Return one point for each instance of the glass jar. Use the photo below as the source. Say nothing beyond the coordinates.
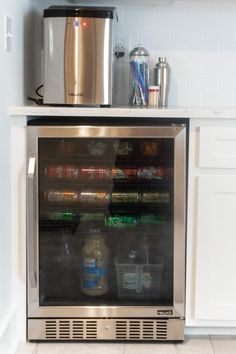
(139, 66)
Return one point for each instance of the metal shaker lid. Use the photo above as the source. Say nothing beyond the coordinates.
(162, 63)
(162, 59)
(139, 51)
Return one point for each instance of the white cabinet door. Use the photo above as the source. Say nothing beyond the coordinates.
(217, 147)
(215, 292)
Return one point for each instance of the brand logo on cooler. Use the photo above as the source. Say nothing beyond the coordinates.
(75, 94)
(165, 312)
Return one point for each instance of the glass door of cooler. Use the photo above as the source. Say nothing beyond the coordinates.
(109, 217)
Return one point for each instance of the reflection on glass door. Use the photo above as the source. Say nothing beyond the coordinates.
(106, 215)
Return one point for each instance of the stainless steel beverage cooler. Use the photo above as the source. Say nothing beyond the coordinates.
(106, 224)
(78, 55)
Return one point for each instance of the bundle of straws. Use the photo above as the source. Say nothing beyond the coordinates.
(140, 73)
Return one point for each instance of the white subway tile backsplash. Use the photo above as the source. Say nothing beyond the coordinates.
(227, 82)
(146, 40)
(198, 82)
(227, 13)
(199, 40)
(202, 13)
(216, 97)
(198, 37)
(141, 16)
(218, 65)
(227, 49)
(234, 98)
(185, 34)
(220, 34)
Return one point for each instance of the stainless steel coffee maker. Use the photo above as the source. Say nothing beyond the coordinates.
(78, 55)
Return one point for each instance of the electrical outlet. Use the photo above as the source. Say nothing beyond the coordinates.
(121, 49)
(7, 33)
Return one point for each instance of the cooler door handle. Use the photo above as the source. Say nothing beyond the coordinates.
(31, 222)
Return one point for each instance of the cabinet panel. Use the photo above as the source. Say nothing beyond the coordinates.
(217, 147)
(215, 295)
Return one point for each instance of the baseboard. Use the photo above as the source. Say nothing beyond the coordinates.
(201, 331)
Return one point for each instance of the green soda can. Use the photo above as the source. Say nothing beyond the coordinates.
(121, 221)
(122, 197)
(155, 198)
(61, 216)
(152, 219)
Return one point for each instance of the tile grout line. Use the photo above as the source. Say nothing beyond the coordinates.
(212, 346)
(123, 348)
(35, 351)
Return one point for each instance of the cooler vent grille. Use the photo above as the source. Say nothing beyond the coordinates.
(51, 330)
(141, 329)
(70, 329)
(161, 329)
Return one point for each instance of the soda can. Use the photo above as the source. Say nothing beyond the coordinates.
(62, 172)
(152, 219)
(99, 198)
(119, 197)
(88, 217)
(124, 173)
(95, 172)
(155, 198)
(66, 147)
(121, 221)
(96, 147)
(149, 148)
(61, 196)
(61, 216)
(123, 148)
(153, 173)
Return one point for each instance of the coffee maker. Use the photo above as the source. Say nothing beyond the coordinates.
(78, 55)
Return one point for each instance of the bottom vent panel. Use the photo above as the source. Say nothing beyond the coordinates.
(106, 329)
(141, 330)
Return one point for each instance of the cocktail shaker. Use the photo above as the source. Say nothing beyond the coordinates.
(161, 79)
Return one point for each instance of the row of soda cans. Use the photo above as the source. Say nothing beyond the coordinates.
(115, 220)
(72, 172)
(105, 198)
(97, 147)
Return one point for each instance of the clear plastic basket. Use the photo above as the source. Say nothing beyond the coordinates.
(139, 280)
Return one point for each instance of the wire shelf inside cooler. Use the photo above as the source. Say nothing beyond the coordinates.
(139, 280)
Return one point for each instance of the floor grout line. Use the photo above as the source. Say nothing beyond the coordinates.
(35, 351)
(212, 346)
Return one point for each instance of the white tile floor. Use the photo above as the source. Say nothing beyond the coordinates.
(192, 345)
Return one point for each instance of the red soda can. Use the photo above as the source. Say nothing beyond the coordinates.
(153, 172)
(124, 173)
(95, 172)
(62, 172)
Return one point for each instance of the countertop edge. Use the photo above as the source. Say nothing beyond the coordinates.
(181, 112)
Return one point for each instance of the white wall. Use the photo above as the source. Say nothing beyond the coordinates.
(198, 37)
(11, 93)
(199, 40)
